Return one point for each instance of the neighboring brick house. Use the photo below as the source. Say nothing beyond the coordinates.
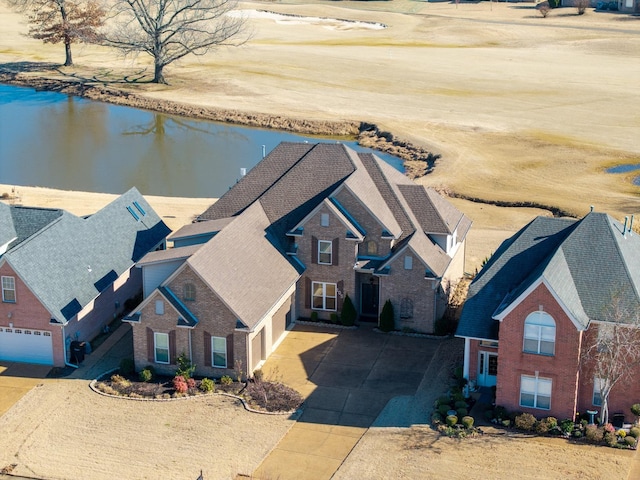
(64, 277)
(543, 297)
(308, 225)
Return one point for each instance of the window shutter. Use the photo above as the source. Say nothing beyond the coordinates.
(172, 347)
(150, 346)
(334, 251)
(207, 349)
(307, 292)
(314, 250)
(340, 296)
(230, 350)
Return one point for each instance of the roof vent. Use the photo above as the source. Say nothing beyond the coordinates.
(624, 229)
(631, 226)
(592, 208)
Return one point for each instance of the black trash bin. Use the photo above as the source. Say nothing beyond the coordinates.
(618, 420)
(77, 352)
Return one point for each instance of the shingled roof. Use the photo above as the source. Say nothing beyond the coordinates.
(71, 260)
(589, 264)
(18, 223)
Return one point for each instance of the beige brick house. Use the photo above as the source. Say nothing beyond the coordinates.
(310, 224)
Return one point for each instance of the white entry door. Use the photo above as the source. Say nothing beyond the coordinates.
(487, 369)
(26, 345)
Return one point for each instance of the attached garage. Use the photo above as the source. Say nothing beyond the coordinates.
(26, 345)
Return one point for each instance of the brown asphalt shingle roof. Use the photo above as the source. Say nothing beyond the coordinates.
(200, 228)
(168, 254)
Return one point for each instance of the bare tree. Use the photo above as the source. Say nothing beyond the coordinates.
(66, 21)
(614, 355)
(582, 5)
(168, 30)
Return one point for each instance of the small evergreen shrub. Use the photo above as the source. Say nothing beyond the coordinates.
(226, 380)
(634, 432)
(443, 401)
(630, 441)
(500, 412)
(127, 366)
(546, 425)
(461, 404)
(387, 317)
(452, 420)
(145, 375)
(314, 316)
(436, 418)
(594, 434)
(443, 409)
(610, 439)
(462, 412)
(567, 425)
(467, 421)
(258, 375)
(635, 409)
(577, 433)
(207, 385)
(525, 421)
(349, 313)
(185, 367)
(333, 318)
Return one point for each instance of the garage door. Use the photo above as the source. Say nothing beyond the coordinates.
(25, 345)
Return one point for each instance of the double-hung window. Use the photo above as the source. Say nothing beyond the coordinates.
(324, 296)
(219, 352)
(9, 289)
(535, 392)
(325, 250)
(539, 334)
(161, 347)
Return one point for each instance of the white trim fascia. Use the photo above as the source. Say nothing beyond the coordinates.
(366, 207)
(540, 281)
(5, 247)
(477, 338)
(274, 308)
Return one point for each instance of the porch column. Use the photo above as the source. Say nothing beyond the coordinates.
(467, 349)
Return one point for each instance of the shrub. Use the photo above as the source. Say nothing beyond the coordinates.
(349, 314)
(546, 425)
(387, 317)
(594, 434)
(634, 432)
(581, 6)
(436, 418)
(621, 433)
(567, 425)
(443, 409)
(462, 412)
(500, 412)
(467, 421)
(577, 434)
(145, 375)
(461, 404)
(185, 367)
(525, 421)
(273, 396)
(120, 381)
(635, 409)
(544, 8)
(630, 441)
(226, 380)
(444, 400)
(333, 318)
(191, 383)
(506, 422)
(608, 428)
(314, 316)
(127, 366)
(258, 375)
(610, 439)
(207, 385)
(180, 384)
(452, 420)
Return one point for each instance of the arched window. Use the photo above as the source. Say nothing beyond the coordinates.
(539, 334)
(372, 247)
(189, 292)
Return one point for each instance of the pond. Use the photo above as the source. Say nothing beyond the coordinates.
(59, 141)
(627, 168)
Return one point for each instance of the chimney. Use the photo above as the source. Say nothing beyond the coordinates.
(631, 226)
(624, 229)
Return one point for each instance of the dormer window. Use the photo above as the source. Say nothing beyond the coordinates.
(324, 219)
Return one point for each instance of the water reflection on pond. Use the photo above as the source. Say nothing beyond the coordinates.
(626, 168)
(59, 141)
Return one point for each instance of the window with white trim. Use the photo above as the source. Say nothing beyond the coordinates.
(9, 289)
(219, 352)
(323, 296)
(325, 250)
(535, 392)
(189, 292)
(408, 262)
(161, 347)
(159, 307)
(539, 334)
(598, 385)
(324, 219)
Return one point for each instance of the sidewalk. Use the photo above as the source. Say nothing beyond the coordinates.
(108, 355)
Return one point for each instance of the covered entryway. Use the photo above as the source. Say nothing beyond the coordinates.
(26, 345)
(487, 369)
(369, 297)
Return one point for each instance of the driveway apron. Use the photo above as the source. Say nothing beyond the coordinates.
(16, 379)
(347, 377)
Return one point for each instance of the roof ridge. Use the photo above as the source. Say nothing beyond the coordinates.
(609, 220)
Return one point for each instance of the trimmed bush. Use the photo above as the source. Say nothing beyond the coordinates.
(467, 421)
(258, 375)
(452, 420)
(185, 367)
(226, 380)
(349, 314)
(610, 439)
(525, 421)
(462, 412)
(436, 418)
(120, 381)
(443, 409)
(630, 441)
(567, 425)
(461, 404)
(546, 424)
(500, 412)
(333, 318)
(635, 409)
(621, 433)
(387, 317)
(127, 366)
(180, 384)
(594, 434)
(207, 385)
(634, 432)
(314, 316)
(145, 375)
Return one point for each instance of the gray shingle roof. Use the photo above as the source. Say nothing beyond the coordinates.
(7, 230)
(160, 256)
(588, 263)
(68, 262)
(22, 222)
(203, 228)
(186, 318)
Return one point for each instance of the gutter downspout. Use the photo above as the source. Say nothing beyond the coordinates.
(64, 350)
(190, 347)
(467, 355)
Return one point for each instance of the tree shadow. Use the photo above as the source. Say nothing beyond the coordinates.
(26, 67)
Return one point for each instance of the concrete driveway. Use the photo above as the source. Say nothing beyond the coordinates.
(347, 378)
(16, 379)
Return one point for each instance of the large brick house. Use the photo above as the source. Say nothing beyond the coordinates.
(308, 225)
(544, 297)
(65, 277)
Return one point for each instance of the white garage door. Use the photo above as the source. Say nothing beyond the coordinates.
(25, 345)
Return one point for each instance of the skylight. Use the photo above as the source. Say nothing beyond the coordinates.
(133, 214)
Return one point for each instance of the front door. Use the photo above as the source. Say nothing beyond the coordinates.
(369, 300)
(487, 369)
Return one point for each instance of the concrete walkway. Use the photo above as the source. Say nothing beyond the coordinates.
(347, 378)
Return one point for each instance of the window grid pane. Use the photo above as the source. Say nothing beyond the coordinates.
(324, 296)
(8, 289)
(161, 347)
(324, 252)
(219, 352)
